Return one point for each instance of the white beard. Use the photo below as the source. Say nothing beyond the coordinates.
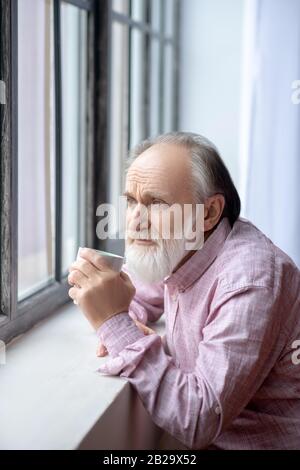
(153, 263)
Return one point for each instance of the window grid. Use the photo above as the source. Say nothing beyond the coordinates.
(16, 317)
(164, 40)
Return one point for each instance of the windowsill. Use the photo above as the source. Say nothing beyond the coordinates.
(53, 398)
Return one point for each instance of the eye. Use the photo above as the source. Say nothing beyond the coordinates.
(159, 204)
(130, 201)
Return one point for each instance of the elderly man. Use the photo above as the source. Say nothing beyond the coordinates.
(227, 374)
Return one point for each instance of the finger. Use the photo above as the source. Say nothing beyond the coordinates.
(101, 350)
(127, 280)
(73, 293)
(125, 276)
(76, 277)
(145, 329)
(83, 266)
(95, 258)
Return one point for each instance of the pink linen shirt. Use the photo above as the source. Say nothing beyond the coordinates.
(227, 374)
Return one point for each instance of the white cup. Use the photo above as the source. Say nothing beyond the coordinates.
(115, 262)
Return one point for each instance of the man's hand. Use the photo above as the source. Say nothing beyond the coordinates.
(99, 291)
(101, 349)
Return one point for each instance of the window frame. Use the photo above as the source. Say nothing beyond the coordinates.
(17, 317)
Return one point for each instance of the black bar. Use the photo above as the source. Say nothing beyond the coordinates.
(142, 458)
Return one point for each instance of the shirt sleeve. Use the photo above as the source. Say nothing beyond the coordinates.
(148, 302)
(235, 355)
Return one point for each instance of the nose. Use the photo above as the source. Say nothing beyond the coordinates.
(139, 219)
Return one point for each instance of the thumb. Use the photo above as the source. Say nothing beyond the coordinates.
(101, 350)
(128, 282)
(125, 276)
(144, 329)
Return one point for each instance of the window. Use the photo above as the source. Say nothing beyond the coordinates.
(81, 82)
(74, 87)
(143, 81)
(36, 145)
(45, 154)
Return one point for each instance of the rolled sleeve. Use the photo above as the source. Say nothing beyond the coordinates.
(118, 332)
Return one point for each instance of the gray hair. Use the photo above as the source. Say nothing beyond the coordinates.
(210, 175)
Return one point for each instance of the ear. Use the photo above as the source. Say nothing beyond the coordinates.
(213, 209)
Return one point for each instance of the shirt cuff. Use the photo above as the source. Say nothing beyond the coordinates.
(118, 332)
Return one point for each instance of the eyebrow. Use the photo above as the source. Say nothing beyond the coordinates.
(148, 195)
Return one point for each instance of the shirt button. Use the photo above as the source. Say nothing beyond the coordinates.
(217, 410)
(174, 297)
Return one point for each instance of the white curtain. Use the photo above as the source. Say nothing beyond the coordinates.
(272, 188)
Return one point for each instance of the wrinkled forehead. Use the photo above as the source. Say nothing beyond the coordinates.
(163, 168)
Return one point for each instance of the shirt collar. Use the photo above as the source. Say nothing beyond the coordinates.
(197, 264)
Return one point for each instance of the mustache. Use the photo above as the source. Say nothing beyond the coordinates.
(145, 235)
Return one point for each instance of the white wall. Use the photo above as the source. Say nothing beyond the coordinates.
(211, 66)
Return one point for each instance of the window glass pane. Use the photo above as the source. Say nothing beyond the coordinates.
(156, 7)
(139, 10)
(169, 17)
(74, 67)
(121, 6)
(155, 98)
(137, 88)
(119, 110)
(36, 145)
(169, 89)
